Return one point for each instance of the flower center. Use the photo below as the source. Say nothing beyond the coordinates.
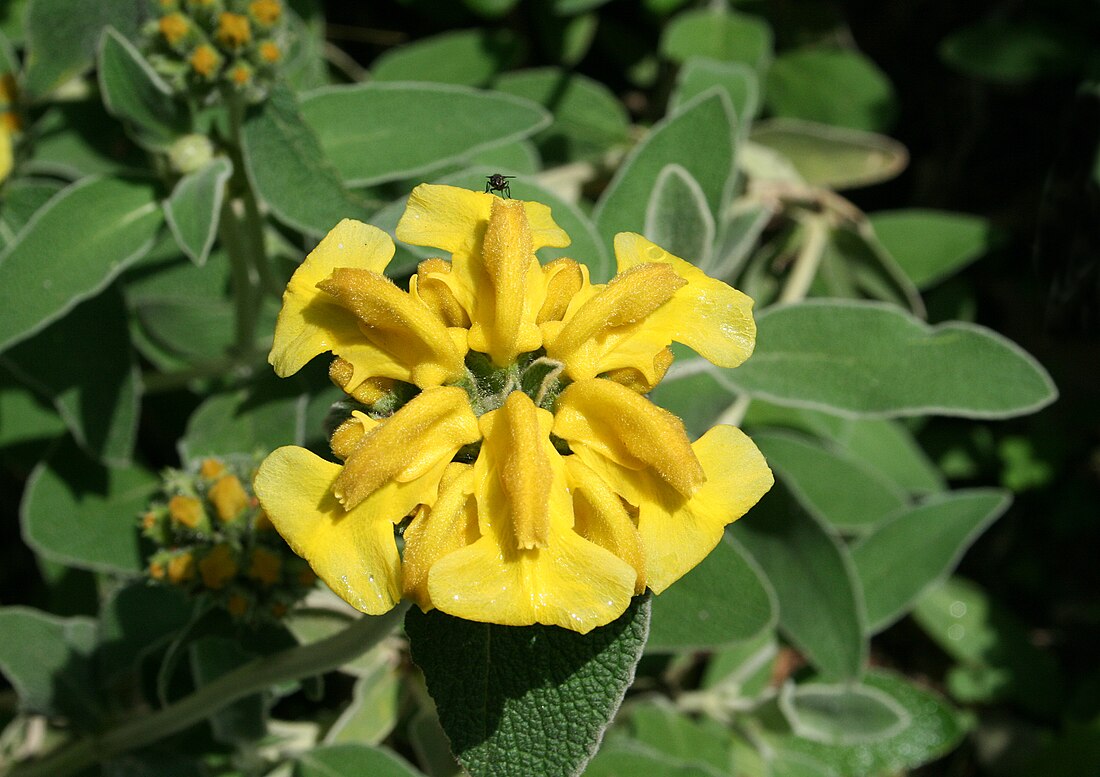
(535, 374)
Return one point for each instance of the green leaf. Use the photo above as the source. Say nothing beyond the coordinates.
(904, 557)
(820, 604)
(700, 138)
(933, 730)
(136, 620)
(588, 120)
(490, 9)
(725, 599)
(855, 265)
(744, 670)
(738, 80)
(96, 387)
(71, 250)
(930, 245)
(194, 208)
(845, 494)
(696, 392)
(24, 416)
(462, 57)
(677, 217)
(407, 136)
(181, 312)
(46, 659)
(739, 235)
(133, 92)
(12, 14)
(868, 359)
(840, 87)
(372, 713)
(526, 700)
(82, 514)
(721, 35)
(997, 657)
(289, 170)
(704, 743)
(628, 758)
(22, 198)
(842, 714)
(833, 157)
(1015, 52)
(519, 156)
(351, 761)
(260, 418)
(61, 42)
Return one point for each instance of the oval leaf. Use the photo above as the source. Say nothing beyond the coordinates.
(700, 139)
(510, 698)
(867, 359)
(700, 74)
(133, 92)
(906, 556)
(677, 217)
(721, 35)
(194, 207)
(820, 606)
(84, 515)
(839, 87)
(407, 135)
(289, 170)
(725, 599)
(833, 157)
(351, 760)
(930, 245)
(464, 57)
(842, 714)
(840, 490)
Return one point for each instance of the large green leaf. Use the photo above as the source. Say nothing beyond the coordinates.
(133, 92)
(867, 359)
(840, 87)
(85, 515)
(24, 416)
(61, 39)
(71, 250)
(95, 385)
(820, 604)
(588, 118)
(351, 760)
(74, 139)
(526, 699)
(412, 128)
(289, 169)
(465, 57)
(930, 245)
(933, 729)
(833, 157)
(46, 659)
(906, 556)
(842, 714)
(843, 492)
(194, 208)
(700, 139)
(739, 81)
(20, 200)
(721, 35)
(677, 217)
(723, 600)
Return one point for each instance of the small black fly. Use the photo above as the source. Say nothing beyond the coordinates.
(498, 183)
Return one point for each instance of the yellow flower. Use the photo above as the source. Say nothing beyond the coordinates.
(233, 30)
(266, 12)
(270, 52)
(186, 511)
(534, 480)
(218, 567)
(204, 60)
(173, 27)
(6, 156)
(228, 497)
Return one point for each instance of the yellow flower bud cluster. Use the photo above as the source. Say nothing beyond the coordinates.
(203, 45)
(213, 540)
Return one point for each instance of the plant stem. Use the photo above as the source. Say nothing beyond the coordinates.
(807, 261)
(255, 676)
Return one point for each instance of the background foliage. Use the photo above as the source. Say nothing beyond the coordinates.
(910, 193)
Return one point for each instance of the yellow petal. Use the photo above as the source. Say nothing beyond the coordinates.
(515, 467)
(5, 152)
(396, 324)
(678, 533)
(600, 517)
(564, 279)
(430, 286)
(614, 315)
(448, 525)
(424, 434)
(310, 323)
(354, 551)
(454, 219)
(624, 426)
(710, 317)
